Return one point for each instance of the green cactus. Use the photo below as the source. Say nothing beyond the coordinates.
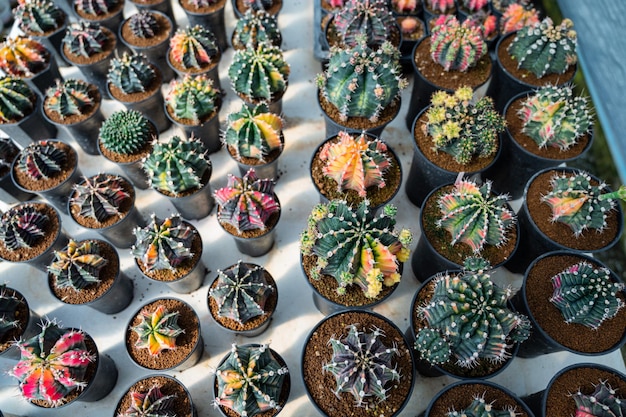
(151, 403)
(23, 226)
(545, 48)
(126, 132)
(553, 117)
(356, 246)
(100, 197)
(462, 128)
(23, 57)
(131, 73)
(481, 408)
(143, 24)
(194, 47)
(42, 160)
(83, 38)
(456, 46)
(193, 98)
(260, 73)
(474, 216)
(254, 132)
(38, 16)
(361, 81)
(17, 100)
(95, 7)
(78, 265)
(241, 292)
(369, 18)
(256, 27)
(603, 402)
(157, 330)
(70, 97)
(9, 305)
(177, 166)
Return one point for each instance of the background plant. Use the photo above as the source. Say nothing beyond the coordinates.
(254, 27)
(126, 132)
(143, 24)
(371, 18)
(157, 330)
(481, 408)
(78, 265)
(100, 197)
(70, 97)
(254, 132)
(17, 100)
(132, 73)
(95, 7)
(38, 16)
(193, 98)
(516, 17)
(440, 6)
(23, 57)
(86, 39)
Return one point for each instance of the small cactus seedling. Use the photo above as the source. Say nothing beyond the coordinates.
(355, 246)
(23, 57)
(474, 216)
(405, 6)
(254, 132)
(143, 24)
(440, 6)
(604, 402)
(369, 18)
(85, 39)
(461, 128)
(241, 292)
(193, 98)
(361, 81)
(126, 132)
(470, 314)
(100, 197)
(17, 100)
(151, 403)
(157, 330)
(362, 366)
(248, 202)
(260, 73)
(517, 17)
(69, 97)
(78, 265)
(586, 295)
(52, 364)
(95, 7)
(131, 73)
(481, 408)
(42, 160)
(163, 244)
(256, 27)
(194, 47)
(9, 304)
(23, 227)
(456, 46)
(474, 6)
(355, 162)
(554, 117)
(249, 381)
(177, 166)
(545, 48)
(38, 16)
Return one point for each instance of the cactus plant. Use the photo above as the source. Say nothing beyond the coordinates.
(38, 16)
(586, 294)
(151, 403)
(126, 132)
(355, 246)
(131, 73)
(362, 366)
(193, 98)
(603, 402)
(85, 39)
(370, 18)
(456, 46)
(78, 265)
(23, 57)
(361, 81)
(256, 27)
(554, 117)
(10, 302)
(163, 244)
(258, 4)
(462, 128)
(241, 292)
(254, 132)
(469, 313)
(474, 6)
(474, 216)
(52, 364)
(355, 162)
(248, 202)
(194, 47)
(517, 17)
(545, 48)
(177, 166)
(96, 7)
(405, 6)
(70, 97)
(42, 160)
(157, 330)
(100, 197)
(17, 100)
(480, 408)
(24, 227)
(143, 24)
(440, 6)
(249, 380)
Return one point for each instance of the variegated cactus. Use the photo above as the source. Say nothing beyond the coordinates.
(17, 100)
(69, 97)
(405, 6)
(23, 57)
(100, 197)
(440, 6)
(363, 366)
(83, 38)
(254, 132)
(248, 202)
(474, 6)
(193, 98)
(10, 303)
(517, 17)
(126, 132)
(256, 27)
(95, 7)
(52, 364)
(143, 24)
(152, 403)
(545, 48)
(241, 292)
(473, 215)
(194, 47)
(603, 402)
(481, 408)
(78, 265)
(369, 18)
(355, 246)
(157, 330)
(355, 162)
(42, 160)
(163, 244)
(38, 16)
(486, 22)
(131, 73)
(23, 226)
(456, 46)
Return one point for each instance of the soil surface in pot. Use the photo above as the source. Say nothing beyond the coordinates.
(181, 405)
(151, 89)
(21, 315)
(359, 123)
(107, 49)
(125, 207)
(185, 342)
(575, 336)
(164, 28)
(186, 5)
(44, 184)
(215, 60)
(129, 158)
(92, 91)
(461, 396)
(321, 385)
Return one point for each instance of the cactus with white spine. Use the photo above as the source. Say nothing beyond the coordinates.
(456, 46)
(9, 305)
(78, 265)
(152, 403)
(83, 38)
(481, 408)
(369, 18)
(95, 7)
(42, 160)
(126, 132)
(38, 16)
(69, 97)
(193, 98)
(100, 197)
(23, 226)
(157, 330)
(131, 73)
(254, 132)
(603, 402)
(256, 27)
(23, 57)
(143, 24)
(194, 47)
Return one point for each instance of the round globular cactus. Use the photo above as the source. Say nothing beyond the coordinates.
(100, 197)
(405, 6)
(603, 402)
(474, 6)
(23, 227)
(194, 47)
(143, 24)
(95, 7)
(456, 46)
(440, 6)
(151, 403)
(131, 73)
(38, 16)
(481, 408)
(70, 97)
(193, 98)
(23, 57)
(517, 17)
(369, 18)
(78, 265)
(254, 132)
(10, 304)
(17, 100)
(42, 160)
(256, 27)
(157, 330)
(85, 39)
(126, 132)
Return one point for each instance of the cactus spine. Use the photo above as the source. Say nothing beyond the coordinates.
(256, 27)
(70, 97)
(603, 402)
(9, 304)
(23, 57)
(23, 226)
(126, 132)
(369, 18)
(38, 16)
(131, 73)
(456, 46)
(85, 39)
(42, 160)
(194, 47)
(100, 197)
(193, 98)
(150, 404)
(254, 132)
(157, 330)
(78, 265)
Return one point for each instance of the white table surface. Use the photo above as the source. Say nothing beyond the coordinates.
(295, 315)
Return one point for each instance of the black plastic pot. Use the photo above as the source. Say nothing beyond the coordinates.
(30, 128)
(84, 132)
(194, 206)
(29, 330)
(211, 73)
(213, 21)
(208, 132)
(268, 170)
(10, 194)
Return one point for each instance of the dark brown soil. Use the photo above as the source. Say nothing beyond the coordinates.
(276, 6)
(269, 158)
(130, 158)
(182, 405)
(107, 51)
(220, 4)
(249, 234)
(22, 315)
(164, 30)
(360, 123)
(93, 92)
(45, 184)
(152, 89)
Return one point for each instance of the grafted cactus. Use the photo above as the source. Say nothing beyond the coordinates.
(470, 314)
(143, 24)
(586, 294)
(78, 265)
(405, 6)
(241, 292)
(193, 98)
(194, 47)
(157, 330)
(177, 166)
(23, 57)
(17, 100)
(456, 46)
(362, 365)
(369, 18)
(440, 6)
(261, 74)
(474, 216)
(247, 203)
(126, 132)
(355, 162)
(256, 27)
(52, 364)
(604, 402)
(361, 81)
(481, 408)
(131, 73)
(38, 16)
(554, 117)
(9, 305)
(461, 128)
(69, 97)
(545, 48)
(100, 197)
(254, 132)
(474, 6)
(517, 17)
(42, 160)
(83, 38)
(249, 381)
(95, 7)
(163, 244)
(23, 226)
(151, 403)
(355, 246)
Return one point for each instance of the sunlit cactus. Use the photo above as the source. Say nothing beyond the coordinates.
(83, 38)
(440, 6)
(255, 27)
(604, 402)
(517, 17)
(456, 46)
(152, 403)
(131, 73)
(38, 16)
(194, 47)
(157, 330)
(126, 132)
(78, 265)
(481, 408)
(9, 305)
(23, 57)
(369, 18)
(17, 100)
(23, 226)
(69, 97)
(95, 7)
(100, 197)
(254, 132)
(193, 98)
(143, 24)
(42, 160)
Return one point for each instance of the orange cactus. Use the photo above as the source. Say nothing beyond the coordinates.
(23, 57)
